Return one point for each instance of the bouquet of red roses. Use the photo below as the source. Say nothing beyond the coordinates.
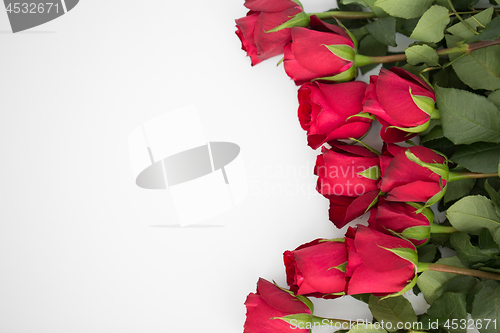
(438, 109)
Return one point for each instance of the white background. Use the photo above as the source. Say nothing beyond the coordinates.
(80, 246)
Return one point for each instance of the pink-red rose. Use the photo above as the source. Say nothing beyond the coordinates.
(253, 29)
(323, 52)
(271, 302)
(415, 174)
(324, 110)
(402, 218)
(378, 263)
(317, 268)
(402, 102)
(348, 175)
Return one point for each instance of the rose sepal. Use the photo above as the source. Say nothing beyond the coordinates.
(345, 76)
(299, 20)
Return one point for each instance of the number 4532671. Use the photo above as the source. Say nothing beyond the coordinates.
(32, 8)
(470, 324)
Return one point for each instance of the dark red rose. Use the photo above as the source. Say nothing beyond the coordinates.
(324, 110)
(402, 218)
(325, 51)
(402, 102)
(272, 302)
(415, 174)
(317, 268)
(376, 263)
(254, 29)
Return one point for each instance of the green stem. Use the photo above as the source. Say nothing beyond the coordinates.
(422, 266)
(453, 176)
(344, 15)
(461, 19)
(442, 229)
(362, 60)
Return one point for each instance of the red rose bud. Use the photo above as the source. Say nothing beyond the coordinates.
(326, 111)
(417, 174)
(379, 264)
(402, 219)
(324, 52)
(401, 102)
(317, 268)
(348, 175)
(265, 31)
(273, 309)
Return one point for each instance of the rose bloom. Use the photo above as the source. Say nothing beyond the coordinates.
(398, 98)
(271, 302)
(262, 17)
(402, 218)
(374, 265)
(406, 181)
(317, 268)
(324, 110)
(309, 57)
(348, 175)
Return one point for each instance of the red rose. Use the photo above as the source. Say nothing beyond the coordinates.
(379, 264)
(416, 174)
(324, 109)
(348, 176)
(402, 103)
(325, 51)
(253, 29)
(317, 268)
(402, 218)
(272, 302)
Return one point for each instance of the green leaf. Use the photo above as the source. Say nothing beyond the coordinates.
(461, 30)
(430, 27)
(369, 46)
(486, 242)
(450, 306)
(473, 213)
(342, 51)
(422, 53)
(468, 253)
(404, 8)
(494, 98)
(435, 133)
(458, 188)
(491, 32)
(392, 310)
(494, 196)
(466, 117)
(427, 253)
(486, 307)
(480, 69)
(480, 157)
(378, 11)
(372, 173)
(432, 283)
(383, 30)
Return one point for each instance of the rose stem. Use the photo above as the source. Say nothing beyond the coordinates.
(422, 266)
(468, 175)
(442, 229)
(362, 60)
(344, 15)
